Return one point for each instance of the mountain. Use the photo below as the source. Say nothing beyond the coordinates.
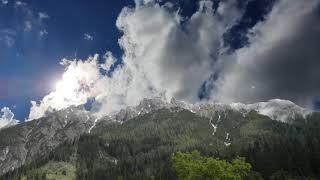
(277, 109)
(22, 143)
(137, 142)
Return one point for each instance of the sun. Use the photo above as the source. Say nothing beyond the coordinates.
(80, 81)
(66, 88)
(74, 87)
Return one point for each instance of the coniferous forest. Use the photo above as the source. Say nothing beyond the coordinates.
(172, 144)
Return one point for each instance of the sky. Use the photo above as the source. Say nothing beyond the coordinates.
(30, 60)
(55, 54)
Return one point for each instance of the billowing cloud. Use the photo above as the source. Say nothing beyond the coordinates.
(76, 86)
(7, 118)
(173, 55)
(277, 109)
(167, 55)
(282, 59)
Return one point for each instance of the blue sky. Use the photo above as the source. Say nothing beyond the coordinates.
(31, 63)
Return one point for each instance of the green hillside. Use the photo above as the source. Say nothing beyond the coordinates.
(142, 147)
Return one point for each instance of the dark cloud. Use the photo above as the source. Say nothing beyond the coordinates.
(282, 60)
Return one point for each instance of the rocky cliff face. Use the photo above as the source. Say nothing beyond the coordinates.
(144, 107)
(22, 143)
(276, 109)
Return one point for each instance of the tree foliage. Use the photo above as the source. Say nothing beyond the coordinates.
(192, 166)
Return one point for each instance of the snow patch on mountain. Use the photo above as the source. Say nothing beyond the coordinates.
(94, 124)
(214, 127)
(276, 109)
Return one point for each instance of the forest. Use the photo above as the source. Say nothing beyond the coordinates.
(170, 144)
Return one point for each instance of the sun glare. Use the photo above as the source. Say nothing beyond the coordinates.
(66, 88)
(75, 85)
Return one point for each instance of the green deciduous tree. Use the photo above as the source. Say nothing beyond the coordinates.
(189, 166)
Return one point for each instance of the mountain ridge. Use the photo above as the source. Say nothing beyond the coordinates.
(35, 138)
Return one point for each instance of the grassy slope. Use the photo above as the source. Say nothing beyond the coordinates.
(54, 171)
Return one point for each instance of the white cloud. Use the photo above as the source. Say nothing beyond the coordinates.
(43, 15)
(281, 61)
(87, 36)
(174, 59)
(167, 55)
(5, 2)
(7, 118)
(20, 3)
(29, 20)
(163, 57)
(277, 109)
(77, 84)
(43, 33)
(109, 61)
(27, 26)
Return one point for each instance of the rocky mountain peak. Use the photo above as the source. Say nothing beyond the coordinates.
(276, 109)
